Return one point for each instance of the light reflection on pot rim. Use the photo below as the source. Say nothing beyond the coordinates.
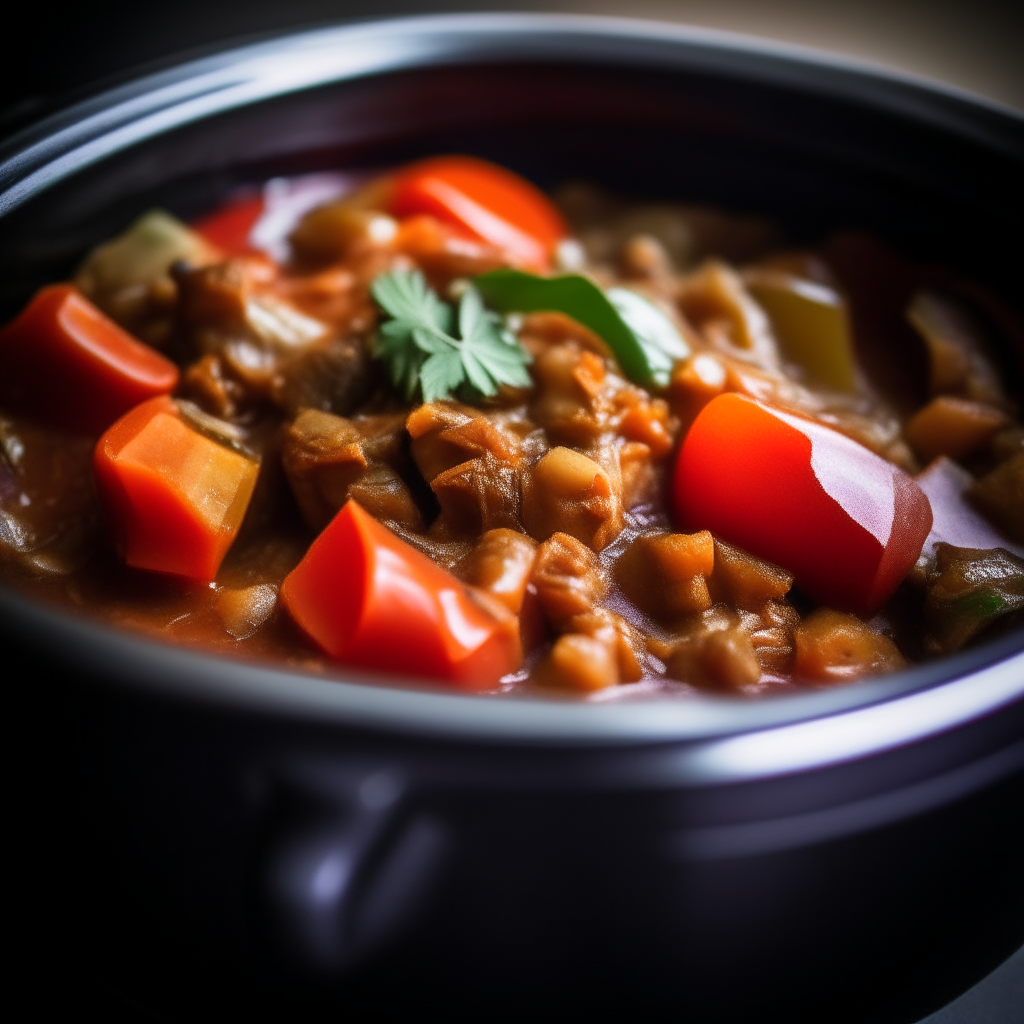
(723, 739)
(86, 133)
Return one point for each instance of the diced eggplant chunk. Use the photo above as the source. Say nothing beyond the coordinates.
(960, 364)
(1000, 495)
(969, 589)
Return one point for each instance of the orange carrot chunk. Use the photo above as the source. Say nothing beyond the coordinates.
(370, 600)
(68, 364)
(486, 202)
(175, 499)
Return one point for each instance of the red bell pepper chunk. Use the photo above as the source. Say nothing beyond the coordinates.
(68, 364)
(487, 202)
(174, 497)
(370, 600)
(846, 523)
(230, 226)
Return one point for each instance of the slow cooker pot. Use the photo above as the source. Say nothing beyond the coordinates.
(213, 836)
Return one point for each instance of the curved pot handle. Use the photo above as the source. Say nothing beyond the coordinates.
(347, 874)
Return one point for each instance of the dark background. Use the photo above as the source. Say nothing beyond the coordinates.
(56, 55)
(58, 51)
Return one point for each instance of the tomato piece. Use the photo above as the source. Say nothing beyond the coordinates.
(69, 364)
(846, 523)
(174, 497)
(230, 226)
(370, 600)
(488, 203)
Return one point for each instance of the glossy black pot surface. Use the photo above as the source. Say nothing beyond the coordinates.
(215, 837)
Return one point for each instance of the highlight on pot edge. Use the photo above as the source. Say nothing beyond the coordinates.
(435, 423)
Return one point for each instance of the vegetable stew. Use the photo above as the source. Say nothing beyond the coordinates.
(442, 426)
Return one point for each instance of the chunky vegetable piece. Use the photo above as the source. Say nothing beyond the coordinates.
(953, 426)
(966, 591)
(811, 323)
(140, 257)
(484, 201)
(367, 598)
(70, 365)
(956, 348)
(175, 499)
(847, 524)
(1000, 495)
(954, 520)
(230, 227)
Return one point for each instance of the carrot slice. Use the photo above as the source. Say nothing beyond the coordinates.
(370, 600)
(68, 364)
(487, 202)
(175, 498)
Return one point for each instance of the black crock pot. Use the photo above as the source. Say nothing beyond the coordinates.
(212, 836)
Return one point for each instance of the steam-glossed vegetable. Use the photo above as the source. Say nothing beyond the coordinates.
(67, 363)
(369, 599)
(846, 523)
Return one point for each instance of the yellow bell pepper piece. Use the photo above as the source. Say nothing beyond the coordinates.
(811, 324)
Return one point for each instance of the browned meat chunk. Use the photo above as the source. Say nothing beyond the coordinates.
(745, 581)
(473, 466)
(715, 653)
(329, 460)
(624, 641)
(334, 375)
(771, 634)
(666, 574)
(955, 427)
(567, 578)
(446, 434)
(500, 563)
(230, 310)
(577, 662)
(833, 647)
(211, 387)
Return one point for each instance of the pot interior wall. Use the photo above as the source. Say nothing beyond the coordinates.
(814, 162)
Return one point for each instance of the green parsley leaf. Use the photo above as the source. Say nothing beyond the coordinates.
(643, 340)
(420, 351)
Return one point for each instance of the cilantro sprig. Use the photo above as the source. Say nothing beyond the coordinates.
(422, 352)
